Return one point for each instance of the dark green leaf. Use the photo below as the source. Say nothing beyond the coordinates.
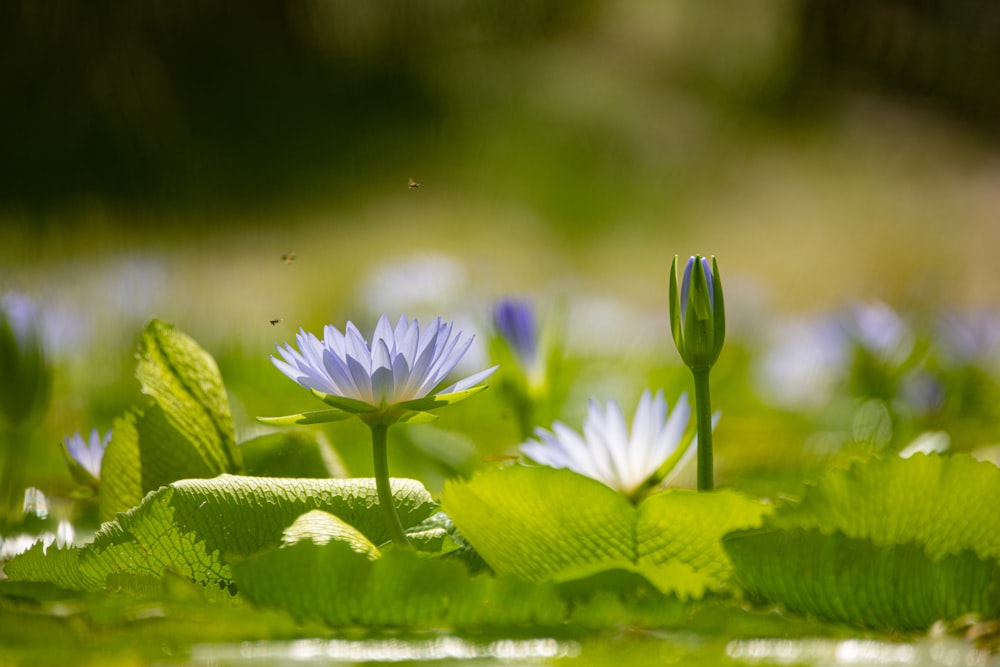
(332, 583)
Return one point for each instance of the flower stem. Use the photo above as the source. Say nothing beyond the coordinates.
(12, 477)
(524, 420)
(381, 454)
(703, 408)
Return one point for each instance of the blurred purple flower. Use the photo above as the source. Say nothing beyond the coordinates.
(969, 339)
(515, 322)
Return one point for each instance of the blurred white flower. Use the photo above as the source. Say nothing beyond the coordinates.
(803, 362)
(426, 281)
(881, 331)
(928, 442)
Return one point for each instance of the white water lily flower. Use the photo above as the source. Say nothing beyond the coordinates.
(608, 452)
(396, 378)
(87, 454)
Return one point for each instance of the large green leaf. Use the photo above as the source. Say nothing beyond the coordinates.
(121, 468)
(855, 581)
(945, 504)
(183, 379)
(196, 527)
(182, 430)
(544, 524)
(889, 543)
(333, 583)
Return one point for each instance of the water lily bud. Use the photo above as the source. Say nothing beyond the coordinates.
(522, 348)
(697, 312)
(24, 370)
(515, 323)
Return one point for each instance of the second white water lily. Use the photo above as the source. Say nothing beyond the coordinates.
(629, 461)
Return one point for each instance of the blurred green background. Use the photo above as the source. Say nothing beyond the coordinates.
(224, 165)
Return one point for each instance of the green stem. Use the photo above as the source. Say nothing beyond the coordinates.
(524, 419)
(12, 478)
(380, 452)
(703, 410)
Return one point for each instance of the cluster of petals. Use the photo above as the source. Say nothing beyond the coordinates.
(402, 363)
(608, 451)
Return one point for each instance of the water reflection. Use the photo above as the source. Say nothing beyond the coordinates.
(324, 651)
(823, 652)
(12, 545)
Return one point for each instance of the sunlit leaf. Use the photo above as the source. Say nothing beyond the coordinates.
(544, 524)
(313, 417)
(321, 527)
(349, 405)
(889, 543)
(194, 527)
(945, 504)
(850, 580)
(440, 400)
(121, 486)
(413, 417)
(182, 430)
(184, 380)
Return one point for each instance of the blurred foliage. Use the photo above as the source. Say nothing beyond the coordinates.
(220, 101)
(945, 53)
(250, 105)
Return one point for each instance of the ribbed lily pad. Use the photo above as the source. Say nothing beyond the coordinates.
(890, 543)
(195, 528)
(544, 524)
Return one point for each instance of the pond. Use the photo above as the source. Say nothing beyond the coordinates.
(361, 334)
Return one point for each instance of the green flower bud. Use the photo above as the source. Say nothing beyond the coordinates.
(697, 313)
(24, 370)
